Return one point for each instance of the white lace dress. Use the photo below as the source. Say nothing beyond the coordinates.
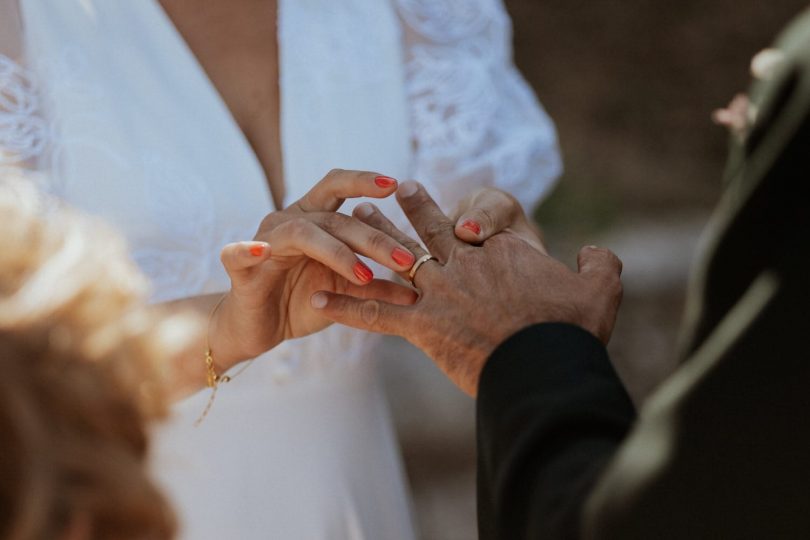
(104, 104)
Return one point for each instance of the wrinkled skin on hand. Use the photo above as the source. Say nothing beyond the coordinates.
(476, 296)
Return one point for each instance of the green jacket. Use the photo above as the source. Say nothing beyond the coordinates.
(722, 449)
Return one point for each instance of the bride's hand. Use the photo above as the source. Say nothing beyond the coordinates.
(305, 248)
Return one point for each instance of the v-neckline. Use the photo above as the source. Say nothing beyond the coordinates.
(226, 110)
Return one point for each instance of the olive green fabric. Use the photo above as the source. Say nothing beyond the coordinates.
(722, 450)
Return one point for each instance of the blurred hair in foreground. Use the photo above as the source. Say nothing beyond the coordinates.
(80, 377)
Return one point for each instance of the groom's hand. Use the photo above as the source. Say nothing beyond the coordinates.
(476, 296)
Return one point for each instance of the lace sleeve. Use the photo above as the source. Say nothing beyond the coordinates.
(23, 130)
(474, 119)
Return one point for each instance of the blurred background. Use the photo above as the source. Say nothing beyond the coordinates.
(631, 86)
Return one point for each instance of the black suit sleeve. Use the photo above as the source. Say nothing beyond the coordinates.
(551, 411)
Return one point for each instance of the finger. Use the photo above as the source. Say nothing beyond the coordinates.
(239, 258)
(432, 226)
(300, 236)
(599, 263)
(384, 290)
(373, 217)
(366, 240)
(488, 212)
(371, 315)
(603, 269)
(338, 185)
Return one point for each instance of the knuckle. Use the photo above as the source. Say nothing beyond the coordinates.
(413, 246)
(271, 221)
(333, 172)
(370, 312)
(486, 219)
(619, 263)
(375, 219)
(513, 203)
(296, 227)
(596, 256)
(378, 224)
(462, 255)
(308, 202)
(506, 198)
(433, 230)
(606, 253)
(331, 221)
(502, 198)
(378, 242)
(339, 251)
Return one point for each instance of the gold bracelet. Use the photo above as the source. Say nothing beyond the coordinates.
(212, 379)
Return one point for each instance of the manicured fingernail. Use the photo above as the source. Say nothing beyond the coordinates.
(318, 300)
(402, 257)
(472, 226)
(257, 251)
(363, 272)
(407, 189)
(363, 210)
(385, 181)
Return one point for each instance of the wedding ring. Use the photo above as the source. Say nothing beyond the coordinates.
(419, 262)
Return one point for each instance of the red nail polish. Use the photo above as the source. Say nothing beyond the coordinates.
(385, 181)
(257, 251)
(471, 225)
(363, 272)
(402, 257)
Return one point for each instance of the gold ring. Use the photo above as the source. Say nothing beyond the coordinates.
(419, 262)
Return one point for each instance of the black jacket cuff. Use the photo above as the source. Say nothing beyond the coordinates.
(551, 412)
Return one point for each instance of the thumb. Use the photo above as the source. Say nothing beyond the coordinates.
(240, 258)
(489, 212)
(365, 314)
(594, 261)
(603, 270)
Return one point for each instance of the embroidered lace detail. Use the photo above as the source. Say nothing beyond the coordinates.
(473, 117)
(448, 21)
(171, 243)
(24, 134)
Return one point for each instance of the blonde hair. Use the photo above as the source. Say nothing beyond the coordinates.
(82, 361)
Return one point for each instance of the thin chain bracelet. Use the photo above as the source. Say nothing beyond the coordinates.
(212, 379)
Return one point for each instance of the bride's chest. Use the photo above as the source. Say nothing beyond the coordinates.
(142, 137)
(321, 78)
(235, 44)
